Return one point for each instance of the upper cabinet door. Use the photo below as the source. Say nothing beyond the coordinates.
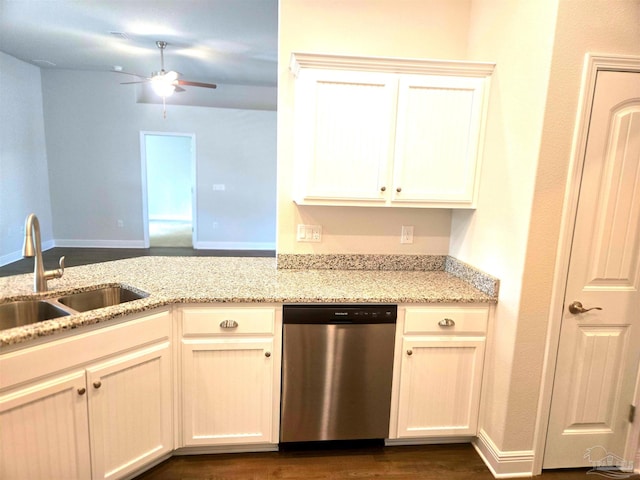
(437, 140)
(388, 131)
(342, 145)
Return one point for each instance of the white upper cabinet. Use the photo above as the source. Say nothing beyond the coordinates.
(388, 132)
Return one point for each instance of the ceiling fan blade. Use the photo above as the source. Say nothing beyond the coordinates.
(129, 83)
(132, 74)
(197, 84)
(179, 89)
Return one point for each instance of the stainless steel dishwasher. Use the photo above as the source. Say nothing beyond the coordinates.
(336, 372)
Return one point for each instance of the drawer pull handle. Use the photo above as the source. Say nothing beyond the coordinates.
(82, 391)
(97, 384)
(267, 354)
(446, 322)
(228, 324)
(409, 352)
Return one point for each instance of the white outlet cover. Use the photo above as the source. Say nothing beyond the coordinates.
(406, 235)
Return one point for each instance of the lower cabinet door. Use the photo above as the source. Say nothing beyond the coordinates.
(130, 411)
(44, 432)
(440, 380)
(227, 391)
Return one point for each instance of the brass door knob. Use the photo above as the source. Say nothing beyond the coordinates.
(576, 307)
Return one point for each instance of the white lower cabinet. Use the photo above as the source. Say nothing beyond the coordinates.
(438, 371)
(130, 411)
(84, 417)
(230, 375)
(44, 430)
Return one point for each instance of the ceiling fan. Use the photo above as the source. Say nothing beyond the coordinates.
(165, 83)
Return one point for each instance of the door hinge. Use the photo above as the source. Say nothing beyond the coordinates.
(632, 413)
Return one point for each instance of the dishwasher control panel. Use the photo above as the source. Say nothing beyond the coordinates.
(336, 313)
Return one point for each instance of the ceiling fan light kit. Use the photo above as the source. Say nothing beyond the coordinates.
(162, 84)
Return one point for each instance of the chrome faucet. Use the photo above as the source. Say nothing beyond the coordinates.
(34, 249)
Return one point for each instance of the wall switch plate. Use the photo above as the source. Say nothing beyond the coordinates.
(309, 233)
(406, 235)
(219, 187)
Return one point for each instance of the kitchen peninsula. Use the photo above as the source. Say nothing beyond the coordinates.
(288, 279)
(195, 366)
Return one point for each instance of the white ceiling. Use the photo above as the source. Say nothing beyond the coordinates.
(215, 41)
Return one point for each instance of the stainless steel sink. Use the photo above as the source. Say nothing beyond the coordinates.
(25, 312)
(100, 298)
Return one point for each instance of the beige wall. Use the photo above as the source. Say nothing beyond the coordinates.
(514, 233)
(583, 26)
(408, 28)
(518, 35)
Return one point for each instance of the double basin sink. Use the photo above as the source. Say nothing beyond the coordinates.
(25, 312)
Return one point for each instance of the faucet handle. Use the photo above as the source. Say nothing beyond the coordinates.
(49, 274)
(60, 271)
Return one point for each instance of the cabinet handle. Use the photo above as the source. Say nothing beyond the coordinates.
(399, 189)
(382, 189)
(446, 322)
(82, 391)
(409, 352)
(228, 324)
(267, 354)
(97, 384)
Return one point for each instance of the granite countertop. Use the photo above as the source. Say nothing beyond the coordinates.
(170, 280)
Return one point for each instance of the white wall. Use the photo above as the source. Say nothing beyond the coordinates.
(595, 26)
(411, 28)
(539, 48)
(24, 180)
(93, 125)
(518, 36)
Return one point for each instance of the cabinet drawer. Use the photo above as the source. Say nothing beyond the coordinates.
(434, 320)
(211, 321)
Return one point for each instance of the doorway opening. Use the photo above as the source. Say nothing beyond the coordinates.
(168, 178)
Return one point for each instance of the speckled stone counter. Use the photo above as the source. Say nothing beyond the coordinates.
(170, 280)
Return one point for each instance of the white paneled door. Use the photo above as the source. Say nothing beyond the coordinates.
(599, 350)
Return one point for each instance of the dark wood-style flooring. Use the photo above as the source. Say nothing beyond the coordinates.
(84, 256)
(424, 462)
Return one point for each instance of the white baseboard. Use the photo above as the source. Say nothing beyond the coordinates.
(390, 442)
(241, 448)
(10, 258)
(99, 243)
(17, 255)
(235, 246)
(509, 464)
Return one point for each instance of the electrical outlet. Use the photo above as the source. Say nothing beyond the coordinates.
(406, 235)
(309, 233)
(219, 187)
